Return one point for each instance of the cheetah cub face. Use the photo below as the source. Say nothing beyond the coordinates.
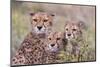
(73, 29)
(54, 42)
(41, 22)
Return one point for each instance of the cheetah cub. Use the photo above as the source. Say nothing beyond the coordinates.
(53, 44)
(31, 50)
(73, 37)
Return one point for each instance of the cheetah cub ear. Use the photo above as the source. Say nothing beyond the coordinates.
(81, 24)
(31, 14)
(52, 15)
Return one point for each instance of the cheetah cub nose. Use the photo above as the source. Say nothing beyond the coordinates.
(69, 34)
(39, 27)
(52, 45)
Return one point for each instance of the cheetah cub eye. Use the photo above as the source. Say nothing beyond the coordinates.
(54, 42)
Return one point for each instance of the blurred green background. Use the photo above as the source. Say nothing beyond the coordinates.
(21, 22)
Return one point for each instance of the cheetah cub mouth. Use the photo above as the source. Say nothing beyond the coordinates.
(54, 42)
(41, 22)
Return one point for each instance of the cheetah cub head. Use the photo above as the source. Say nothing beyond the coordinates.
(54, 42)
(73, 29)
(41, 22)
